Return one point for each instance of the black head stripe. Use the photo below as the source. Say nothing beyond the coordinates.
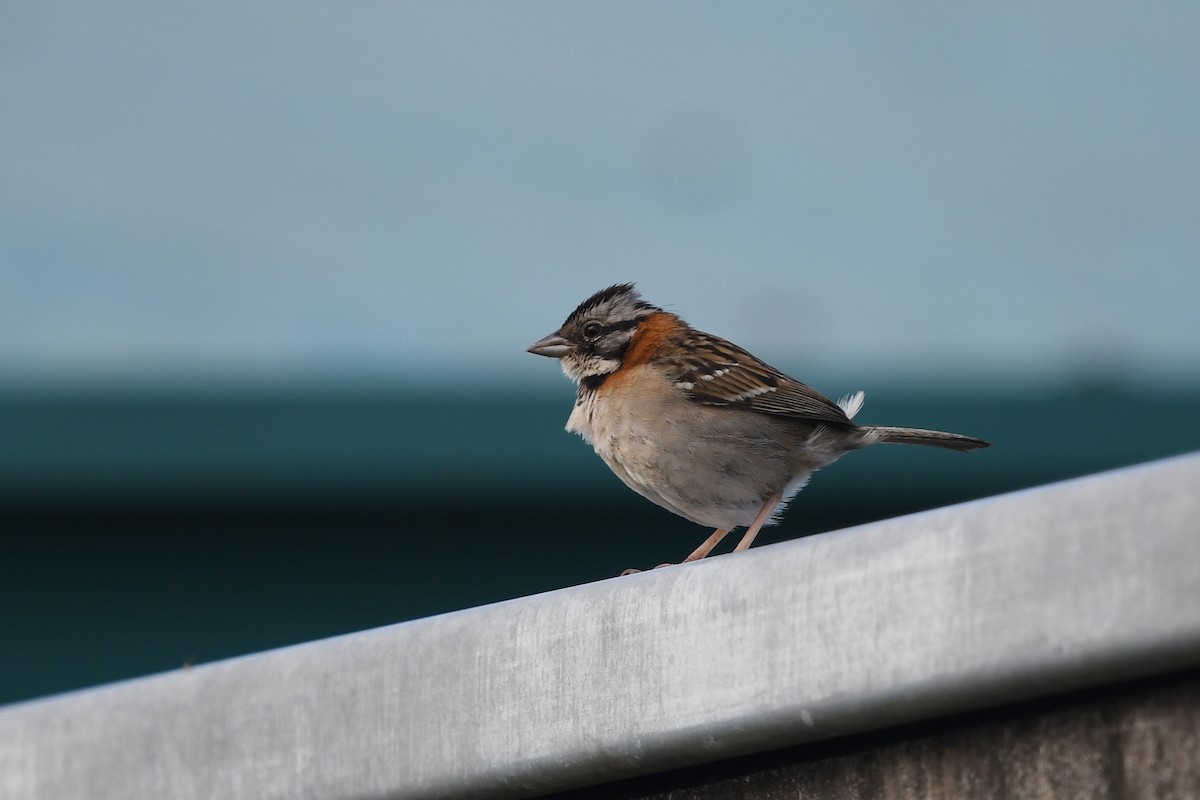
(621, 325)
(617, 292)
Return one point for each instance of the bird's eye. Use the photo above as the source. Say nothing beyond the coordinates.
(593, 329)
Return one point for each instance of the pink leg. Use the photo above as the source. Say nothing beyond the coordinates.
(709, 543)
(697, 554)
(763, 516)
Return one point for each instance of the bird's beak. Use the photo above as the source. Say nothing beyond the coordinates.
(552, 346)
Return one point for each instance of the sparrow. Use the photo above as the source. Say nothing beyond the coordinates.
(698, 425)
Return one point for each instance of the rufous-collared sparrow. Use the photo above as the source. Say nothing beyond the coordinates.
(698, 425)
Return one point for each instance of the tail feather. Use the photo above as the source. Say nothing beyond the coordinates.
(950, 441)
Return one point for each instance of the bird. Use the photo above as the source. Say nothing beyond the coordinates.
(698, 425)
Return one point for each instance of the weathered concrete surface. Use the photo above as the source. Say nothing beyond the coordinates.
(1132, 741)
(1025, 595)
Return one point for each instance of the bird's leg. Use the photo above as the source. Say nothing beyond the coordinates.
(763, 516)
(716, 536)
(709, 543)
(697, 554)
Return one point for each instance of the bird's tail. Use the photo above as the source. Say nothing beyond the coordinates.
(950, 441)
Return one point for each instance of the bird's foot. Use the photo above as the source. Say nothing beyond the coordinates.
(633, 570)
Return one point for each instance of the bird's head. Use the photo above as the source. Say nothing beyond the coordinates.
(595, 335)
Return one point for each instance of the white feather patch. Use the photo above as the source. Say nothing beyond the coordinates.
(851, 403)
(755, 392)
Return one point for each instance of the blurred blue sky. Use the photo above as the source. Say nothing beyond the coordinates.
(969, 193)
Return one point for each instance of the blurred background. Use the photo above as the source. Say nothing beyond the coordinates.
(268, 272)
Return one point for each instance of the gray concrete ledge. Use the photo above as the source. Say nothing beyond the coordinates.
(1033, 593)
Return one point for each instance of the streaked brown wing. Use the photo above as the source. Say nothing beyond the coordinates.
(717, 372)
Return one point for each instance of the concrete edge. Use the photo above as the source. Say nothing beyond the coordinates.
(1028, 594)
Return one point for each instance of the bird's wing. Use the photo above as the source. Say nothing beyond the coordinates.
(719, 373)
